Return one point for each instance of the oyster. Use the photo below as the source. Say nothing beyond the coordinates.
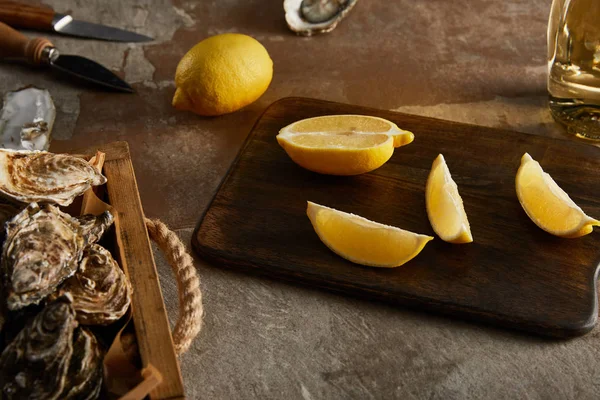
(15, 321)
(28, 176)
(101, 291)
(307, 17)
(27, 119)
(52, 358)
(43, 247)
(35, 364)
(84, 377)
(93, 227)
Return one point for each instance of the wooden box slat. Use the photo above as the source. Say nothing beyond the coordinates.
(149, 314)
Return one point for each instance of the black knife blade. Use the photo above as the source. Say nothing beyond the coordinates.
(66, 24)
(40, 51)
(88, 70)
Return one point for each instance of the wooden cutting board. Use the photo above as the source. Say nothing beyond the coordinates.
(514, 274)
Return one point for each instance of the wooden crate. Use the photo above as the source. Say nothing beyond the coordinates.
(135, 255)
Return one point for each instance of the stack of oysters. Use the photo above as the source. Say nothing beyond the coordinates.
(55, 280)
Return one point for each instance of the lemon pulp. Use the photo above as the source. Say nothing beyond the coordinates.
(342, 144)
(362, 241)
(547, 204)
(444, 205)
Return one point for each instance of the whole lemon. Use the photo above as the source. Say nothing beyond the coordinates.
(222, 74)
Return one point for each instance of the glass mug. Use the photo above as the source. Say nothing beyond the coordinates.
(574, 66)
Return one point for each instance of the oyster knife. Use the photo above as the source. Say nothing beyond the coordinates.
(44, 18)
(41, 51)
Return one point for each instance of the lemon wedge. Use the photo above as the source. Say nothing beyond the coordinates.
(548, 206)
(362, 241)
(342, 144)
(444, 205)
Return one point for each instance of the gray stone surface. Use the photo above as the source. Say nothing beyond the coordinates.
(271, 340)
(480, 61)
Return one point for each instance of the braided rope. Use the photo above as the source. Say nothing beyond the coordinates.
(188, 284)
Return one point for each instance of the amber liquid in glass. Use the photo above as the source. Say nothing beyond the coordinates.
(574, 66)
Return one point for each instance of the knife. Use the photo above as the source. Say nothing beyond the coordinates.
(45, 19)
(40, 51)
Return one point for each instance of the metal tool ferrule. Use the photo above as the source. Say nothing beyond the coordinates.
(49, 55)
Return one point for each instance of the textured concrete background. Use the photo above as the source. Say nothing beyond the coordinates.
(478, 61)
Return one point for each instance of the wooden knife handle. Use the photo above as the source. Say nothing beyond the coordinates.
(15, 44)
(26, 16)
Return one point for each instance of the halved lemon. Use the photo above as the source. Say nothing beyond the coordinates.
(342, 144)
(548, 206)
(362, 241)
(444, 205)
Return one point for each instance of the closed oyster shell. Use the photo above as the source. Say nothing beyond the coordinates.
(35, 364)
(39, 176)
(15, 321)
(93, 227)
(84, 377)
(43, 247)
(101, 291)
(52, 358)
(308, 17)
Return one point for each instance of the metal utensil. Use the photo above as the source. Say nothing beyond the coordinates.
(41, 51)
(44, 18)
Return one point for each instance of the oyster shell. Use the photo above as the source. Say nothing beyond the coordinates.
(101, 291)
(27, 119)
(15, 321)
(52, 358)
(307, 17)
(93, 227)
(43, 247)
(35, 364)
(84, 377)
(39, 176)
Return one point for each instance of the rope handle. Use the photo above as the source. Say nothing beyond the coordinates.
(191, 310)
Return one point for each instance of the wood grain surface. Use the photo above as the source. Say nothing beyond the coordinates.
(18, 14)
(135, 257)
(514, 275)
